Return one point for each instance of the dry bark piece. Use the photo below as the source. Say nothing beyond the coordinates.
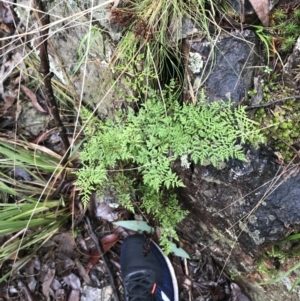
(261, 7)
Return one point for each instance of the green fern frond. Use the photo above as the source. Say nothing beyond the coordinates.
(151, 140)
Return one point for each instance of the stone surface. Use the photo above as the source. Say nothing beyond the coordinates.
(31, 120)
(237, 211)
(81, 51)
(222, 68)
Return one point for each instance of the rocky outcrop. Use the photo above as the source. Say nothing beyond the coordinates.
(237, 211)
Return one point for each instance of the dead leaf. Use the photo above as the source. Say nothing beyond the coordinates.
(66, 243)
(107, 242)
(95, 256)
(261, 8)
(7, 103)
(41, 137)
(236, 293)
(73, 281)
(82, 272)
(47, 280)
(33, 98)
(82, 244)
(74, 295)
(31, 279)
(99, 208)
(26, 291)
(6, 15)
(5, 28)
(56, 285)
(60, 295)
(16, 60)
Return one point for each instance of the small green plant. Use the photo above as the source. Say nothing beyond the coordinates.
(155, 29)
(141, 226)
(286, 28)
(265, 38)
(288, 43)
(27, 218)
(283, 31)
(279, 14)
(285, 126)
(289, 28)
(297, 13)
(134, 153)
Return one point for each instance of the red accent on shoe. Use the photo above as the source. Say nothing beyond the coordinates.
(153, 288)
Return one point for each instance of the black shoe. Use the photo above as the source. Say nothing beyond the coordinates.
(147, 273)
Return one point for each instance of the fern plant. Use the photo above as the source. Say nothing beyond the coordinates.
(142, 147)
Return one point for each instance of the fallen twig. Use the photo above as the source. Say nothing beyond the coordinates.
(268, 104)
(44, 22)
(100, 251)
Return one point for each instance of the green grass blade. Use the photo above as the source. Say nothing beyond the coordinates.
(285, 274)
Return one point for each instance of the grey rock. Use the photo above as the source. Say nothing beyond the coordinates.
(237, 211)
(90, 77)
(224, 64)
(31, 119)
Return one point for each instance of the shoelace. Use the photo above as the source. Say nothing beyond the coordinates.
(140, 288)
